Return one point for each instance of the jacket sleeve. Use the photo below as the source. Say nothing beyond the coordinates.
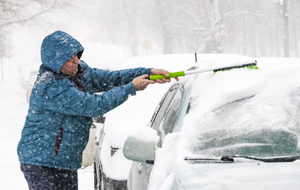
(104, 80)
(67, 99)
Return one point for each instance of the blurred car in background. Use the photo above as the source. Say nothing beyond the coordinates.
(237, 129)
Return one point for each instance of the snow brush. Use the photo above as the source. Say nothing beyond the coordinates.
(251, 65)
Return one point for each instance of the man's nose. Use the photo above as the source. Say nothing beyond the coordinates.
(75, 60)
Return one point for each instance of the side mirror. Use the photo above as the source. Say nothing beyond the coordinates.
(139, 150)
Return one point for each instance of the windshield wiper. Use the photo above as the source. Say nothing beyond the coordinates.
(269, 159)
(209, 160)
(230, 159)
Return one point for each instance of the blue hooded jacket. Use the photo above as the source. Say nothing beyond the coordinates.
(61, 108)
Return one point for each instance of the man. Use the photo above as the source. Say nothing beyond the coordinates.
(62, 104)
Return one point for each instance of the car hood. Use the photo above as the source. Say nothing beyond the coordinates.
(236, 176)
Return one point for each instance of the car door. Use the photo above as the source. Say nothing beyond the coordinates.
(163, 120)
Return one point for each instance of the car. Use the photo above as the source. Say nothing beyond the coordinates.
(237, 129)
(111, 168)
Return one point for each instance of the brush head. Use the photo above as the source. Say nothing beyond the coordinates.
(247, 65)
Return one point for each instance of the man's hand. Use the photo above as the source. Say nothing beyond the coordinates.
(161, 72)
(141, 82)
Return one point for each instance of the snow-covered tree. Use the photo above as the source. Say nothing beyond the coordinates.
(23, 12)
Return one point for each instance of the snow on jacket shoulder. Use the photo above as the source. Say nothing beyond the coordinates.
(60, 113)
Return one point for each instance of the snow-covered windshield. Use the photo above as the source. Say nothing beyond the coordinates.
(239, 129)
(242, 114)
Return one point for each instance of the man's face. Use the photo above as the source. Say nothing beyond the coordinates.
(70, 67)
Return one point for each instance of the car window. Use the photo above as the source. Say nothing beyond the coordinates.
(164, 118)
(252, 136)
(168, 122)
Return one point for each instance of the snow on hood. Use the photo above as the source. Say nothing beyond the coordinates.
(58, 48)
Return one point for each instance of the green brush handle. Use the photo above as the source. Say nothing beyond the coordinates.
(171, 75)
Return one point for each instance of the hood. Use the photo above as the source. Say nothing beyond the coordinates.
(235, 176)
(57, 48)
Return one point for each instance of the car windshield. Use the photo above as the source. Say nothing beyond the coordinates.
(262, 124)
(233, 132)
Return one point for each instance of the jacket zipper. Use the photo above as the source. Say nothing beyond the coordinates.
(58, 140)
(76, 81)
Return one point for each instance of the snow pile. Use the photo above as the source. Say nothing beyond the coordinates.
(215, 61)
(215, 90)
(161, 176)
(147, 134)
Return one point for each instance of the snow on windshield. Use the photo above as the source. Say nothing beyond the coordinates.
(238, 112)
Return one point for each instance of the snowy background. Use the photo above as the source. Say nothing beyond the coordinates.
(113, 31)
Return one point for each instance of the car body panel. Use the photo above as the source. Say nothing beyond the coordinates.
(236, 176)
